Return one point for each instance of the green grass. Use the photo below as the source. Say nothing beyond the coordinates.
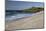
(33, 10)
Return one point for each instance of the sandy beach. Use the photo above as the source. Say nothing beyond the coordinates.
(35, 21)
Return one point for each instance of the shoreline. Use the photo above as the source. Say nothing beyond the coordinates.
(25, 17)
(35, 21)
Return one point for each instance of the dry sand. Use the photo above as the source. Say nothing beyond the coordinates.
(35, 21)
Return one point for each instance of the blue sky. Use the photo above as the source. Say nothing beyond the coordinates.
(20, 5)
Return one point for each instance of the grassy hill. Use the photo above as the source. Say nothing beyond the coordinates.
(33, 10)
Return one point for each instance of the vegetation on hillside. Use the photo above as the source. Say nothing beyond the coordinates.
(33, 10)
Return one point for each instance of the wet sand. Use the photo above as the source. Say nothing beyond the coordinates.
(31, 22)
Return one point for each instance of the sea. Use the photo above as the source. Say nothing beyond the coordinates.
(15, 14)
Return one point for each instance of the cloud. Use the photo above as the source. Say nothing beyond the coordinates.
(18, 5)
(28, 0)
(17, 0)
